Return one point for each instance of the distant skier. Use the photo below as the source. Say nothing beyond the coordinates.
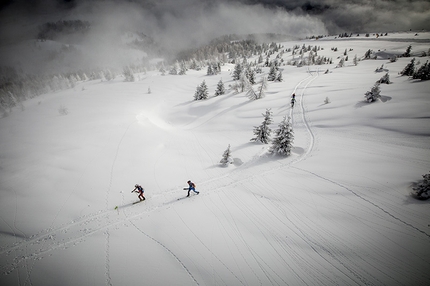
(138, 189)
(191, 187)
(292, 101)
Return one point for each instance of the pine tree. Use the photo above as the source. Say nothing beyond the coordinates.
(128, 74)
(182, 68)
(209, 70)
(174, 69)
(355, 60)
(162, 69)
(341, 63)
(244, 82)
(368, 54)
(385, 79)
(220, 90)
(201, 91)
(407, 53)
(260, 59)
(409, 68)
(263, 131)
(373, 94)
(226, 157)
(250, 74)
(423, 72)
(253, 95)
(237, 71)
(279, 77)
(282, 144)
(272, 73)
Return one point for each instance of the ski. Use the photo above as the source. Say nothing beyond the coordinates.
(138, 202)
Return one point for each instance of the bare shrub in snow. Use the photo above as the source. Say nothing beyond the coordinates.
(62, 110)
(423, 188)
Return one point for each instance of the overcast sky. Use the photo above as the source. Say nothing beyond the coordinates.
(201, 18)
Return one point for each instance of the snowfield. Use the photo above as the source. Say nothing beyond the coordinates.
(337, 211)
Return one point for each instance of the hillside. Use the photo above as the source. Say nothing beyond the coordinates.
(337, 211)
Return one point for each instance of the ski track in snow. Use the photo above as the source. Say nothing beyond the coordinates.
(26, 253)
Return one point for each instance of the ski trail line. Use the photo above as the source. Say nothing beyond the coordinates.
(366, 200)
(308, 151)
(107, 246)
(107, 264)
(210, 251)
(114, 162)
(168, 250)
(308, 128)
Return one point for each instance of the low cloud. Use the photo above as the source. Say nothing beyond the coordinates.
(181, 24)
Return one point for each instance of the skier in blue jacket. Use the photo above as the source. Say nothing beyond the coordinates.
(191, 187)
(138, 189)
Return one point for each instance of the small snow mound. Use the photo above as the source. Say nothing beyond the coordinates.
(237, 162)
(385, 55)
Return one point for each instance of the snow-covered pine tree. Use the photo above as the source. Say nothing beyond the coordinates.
(162, 69)
(272, 73)
(174, 69)
(355, 60)
(341, 63)
(201, 91)
(226, 157)
(279, 77)
(282, 144)
(251, 94)
(244, 82)
(182, 68)
(423, 72)
(373, 94)
(250, 74)
(262, 132)
(368, 54)
(260, 92)
(237, 71)
(220, 90)
(260, 59)
(409, 68)
(385, 79)
(407, 53)
(209, 70)
(128, 74)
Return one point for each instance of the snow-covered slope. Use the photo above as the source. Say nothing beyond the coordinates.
(338, 211)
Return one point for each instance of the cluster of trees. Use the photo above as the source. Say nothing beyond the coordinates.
(422, 72)
(282, 143)
(230, 50)
(202, 91)
(17, 86)
(375, 92)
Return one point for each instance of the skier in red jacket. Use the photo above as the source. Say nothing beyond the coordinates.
(138, 189)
